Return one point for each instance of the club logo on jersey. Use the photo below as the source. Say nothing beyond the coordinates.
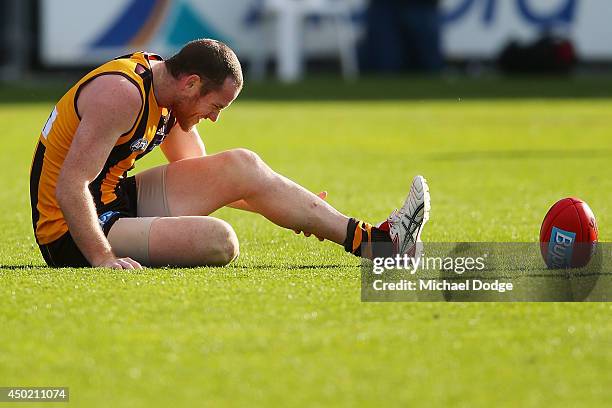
(139, 145)
(163, 128)
(560, 248)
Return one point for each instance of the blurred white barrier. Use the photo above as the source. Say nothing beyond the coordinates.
(70, 31)
(289, 16)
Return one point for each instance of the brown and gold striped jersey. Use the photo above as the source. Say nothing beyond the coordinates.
(149, 130)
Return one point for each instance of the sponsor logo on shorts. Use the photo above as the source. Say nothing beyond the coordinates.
(560, 248)
(106, 217)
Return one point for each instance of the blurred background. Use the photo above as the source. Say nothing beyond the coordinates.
(290, 40)
(504, 105)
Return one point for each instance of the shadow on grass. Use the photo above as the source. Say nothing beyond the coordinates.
(295, 267)
(23, 267)
(255, 267)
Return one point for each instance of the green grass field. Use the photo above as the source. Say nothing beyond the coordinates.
(284, 325)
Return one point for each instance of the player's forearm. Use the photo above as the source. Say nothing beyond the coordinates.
(180, 145)
(197, 145)
(79, 212)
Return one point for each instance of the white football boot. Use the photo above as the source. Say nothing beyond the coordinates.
(406, 224)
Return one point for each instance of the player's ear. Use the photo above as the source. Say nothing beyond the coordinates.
(193, 83)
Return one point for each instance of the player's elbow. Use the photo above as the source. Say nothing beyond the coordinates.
(66, 187)
(62, 190)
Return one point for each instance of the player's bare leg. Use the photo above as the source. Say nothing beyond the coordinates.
(177, 241)
(200, 186)
(196, 187)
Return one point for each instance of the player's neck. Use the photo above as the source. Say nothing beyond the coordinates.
(162, 84)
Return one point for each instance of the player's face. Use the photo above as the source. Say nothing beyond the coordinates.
(194, 107)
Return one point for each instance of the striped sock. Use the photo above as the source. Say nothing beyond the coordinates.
(359, 232)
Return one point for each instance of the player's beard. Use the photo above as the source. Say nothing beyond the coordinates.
(185, 124)
(181, 112)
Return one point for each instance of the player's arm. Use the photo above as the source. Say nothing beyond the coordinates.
(179, 144)
(103, 120)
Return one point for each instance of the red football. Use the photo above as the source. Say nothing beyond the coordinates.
(569, 234)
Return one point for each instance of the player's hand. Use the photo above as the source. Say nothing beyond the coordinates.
(120, 263)
(322, 195)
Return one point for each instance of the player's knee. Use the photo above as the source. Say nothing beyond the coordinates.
(225, 245)
(230, 249)
(246, 158)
